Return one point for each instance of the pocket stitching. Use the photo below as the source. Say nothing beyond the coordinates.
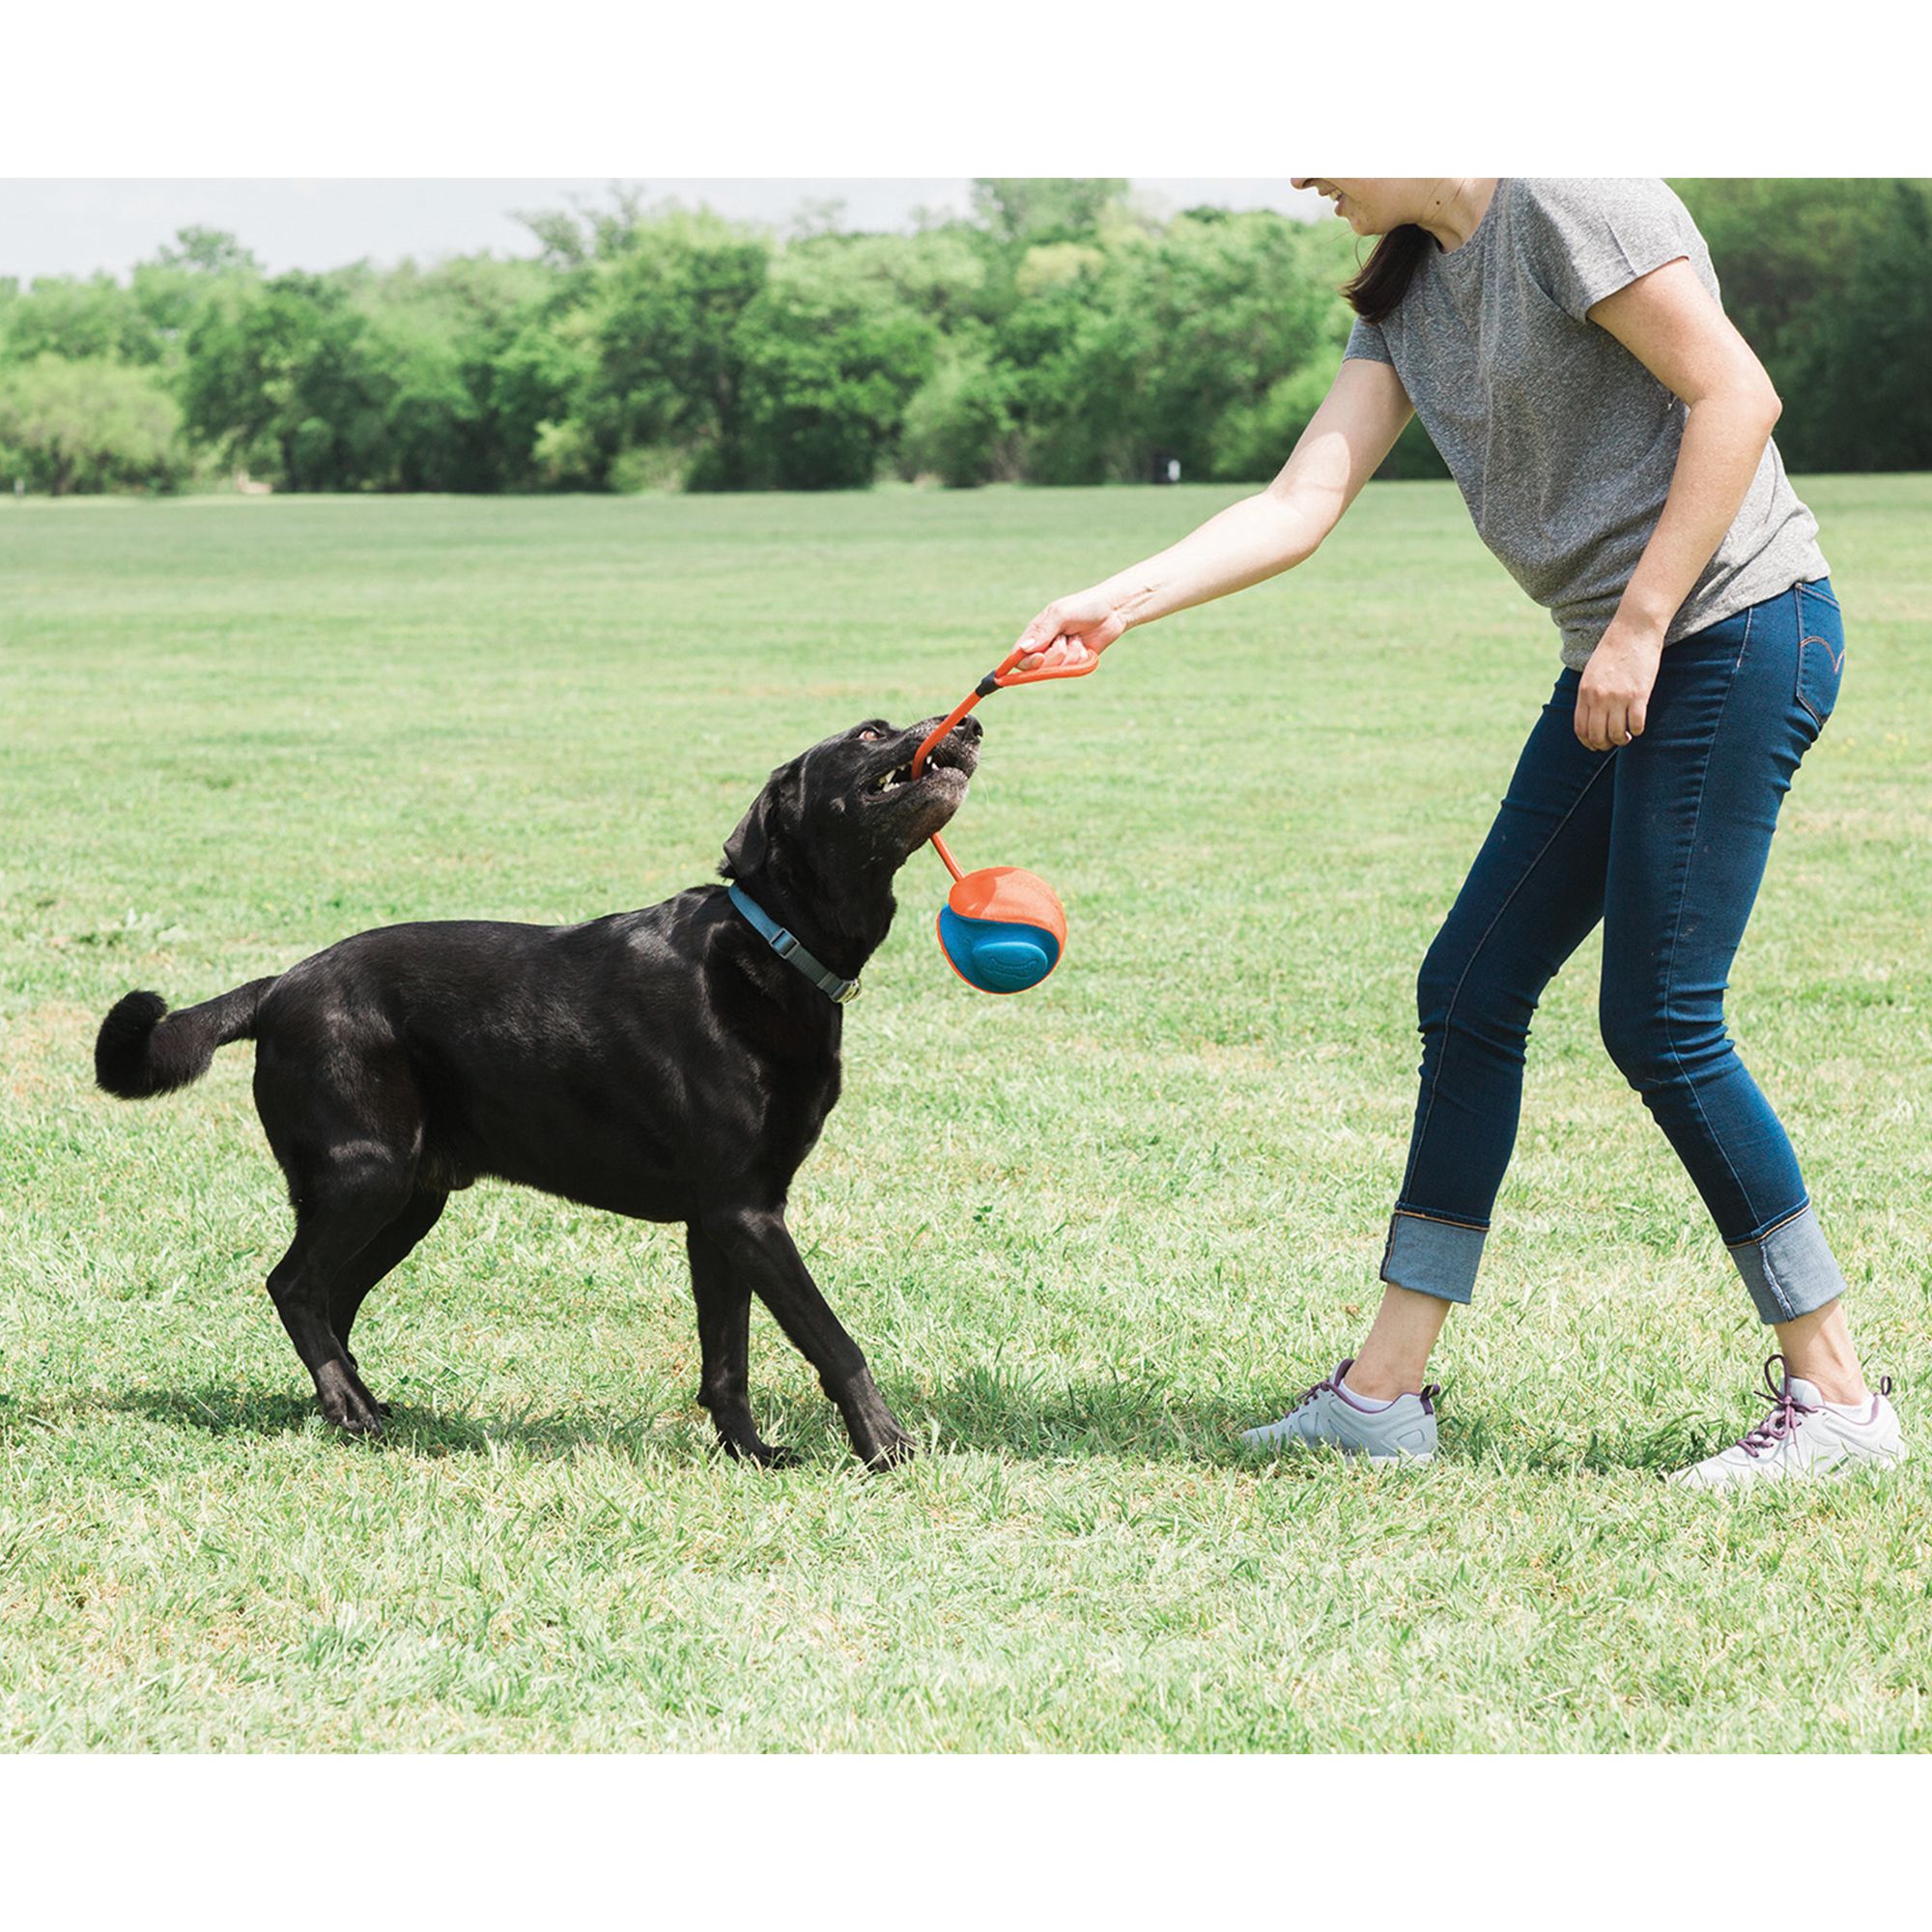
(1837, 663)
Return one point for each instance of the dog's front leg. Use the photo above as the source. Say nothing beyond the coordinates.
(723, 1321)
(759, 1248)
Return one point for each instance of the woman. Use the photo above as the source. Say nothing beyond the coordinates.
(1611, 431)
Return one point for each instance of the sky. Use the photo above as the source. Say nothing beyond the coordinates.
(76, 227)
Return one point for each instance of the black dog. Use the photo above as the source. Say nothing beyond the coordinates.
(672, 1065)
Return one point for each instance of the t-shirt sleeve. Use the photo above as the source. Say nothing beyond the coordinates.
(1366, 344)
(1589, 239)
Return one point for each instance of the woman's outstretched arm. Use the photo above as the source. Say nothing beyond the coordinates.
(1259, 538)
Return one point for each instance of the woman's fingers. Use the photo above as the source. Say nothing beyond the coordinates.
(1037, 635)
(1064, 648)
(1605, 721)
(1071, 630)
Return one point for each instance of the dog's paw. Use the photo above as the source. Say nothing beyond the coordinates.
(355, 1418)
(747, 1445)
(888, 1449)
(348, 1406)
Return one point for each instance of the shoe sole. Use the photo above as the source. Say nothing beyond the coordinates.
(1840, 1472)
(1293, 1447)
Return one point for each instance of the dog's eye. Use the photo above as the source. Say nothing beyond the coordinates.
(866, 737)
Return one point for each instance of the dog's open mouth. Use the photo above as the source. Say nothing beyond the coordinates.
(949, 767)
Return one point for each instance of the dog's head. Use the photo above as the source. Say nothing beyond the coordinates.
(832, 826)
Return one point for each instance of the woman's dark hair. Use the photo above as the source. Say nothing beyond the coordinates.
(1383, 279)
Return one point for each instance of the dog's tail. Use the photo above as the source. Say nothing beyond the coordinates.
(142, 1048)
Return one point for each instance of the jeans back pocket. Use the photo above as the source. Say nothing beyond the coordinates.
(1821, 650)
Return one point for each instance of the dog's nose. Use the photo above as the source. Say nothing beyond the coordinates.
(973, 729)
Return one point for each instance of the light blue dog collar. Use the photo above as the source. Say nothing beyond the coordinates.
(787, 947)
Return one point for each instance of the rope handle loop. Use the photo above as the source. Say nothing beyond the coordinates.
(999, 680)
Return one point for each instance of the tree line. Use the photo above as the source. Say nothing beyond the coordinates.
(1056, 333)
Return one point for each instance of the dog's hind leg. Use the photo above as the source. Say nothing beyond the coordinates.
(345, 1116)
(761, 1252)
(338, 1213)
(387, 1250)
(724, 1340)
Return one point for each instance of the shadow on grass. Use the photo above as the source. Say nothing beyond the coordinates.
(411, 1431)
(993, 1411)
(408, 1429)
(981, 1411)
(1005, 1412)
(1153, 1419)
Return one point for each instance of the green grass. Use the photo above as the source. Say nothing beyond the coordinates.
(1085, 1235)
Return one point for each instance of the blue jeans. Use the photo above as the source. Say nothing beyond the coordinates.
(1664, 841)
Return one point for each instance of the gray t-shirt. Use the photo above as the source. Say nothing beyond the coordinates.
(1561, 441)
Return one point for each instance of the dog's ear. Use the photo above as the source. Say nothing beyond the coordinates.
(772, 811)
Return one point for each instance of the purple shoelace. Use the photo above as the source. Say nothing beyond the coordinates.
(1786, 1411)
(1332, 1385)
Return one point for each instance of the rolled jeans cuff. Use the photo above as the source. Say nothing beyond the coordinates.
(1788, 1268)
(1432, 1256)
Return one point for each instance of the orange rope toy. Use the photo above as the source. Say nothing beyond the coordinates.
(1002, 929)
(994, 680)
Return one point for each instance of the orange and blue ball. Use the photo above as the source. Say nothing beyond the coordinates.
(1003, 930)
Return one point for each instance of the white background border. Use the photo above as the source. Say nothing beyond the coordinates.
(824, 90)
(222, 88)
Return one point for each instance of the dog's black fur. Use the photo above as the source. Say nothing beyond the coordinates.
(663, 1064)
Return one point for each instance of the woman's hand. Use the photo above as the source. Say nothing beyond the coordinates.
(1071, 630)
(1614, 696)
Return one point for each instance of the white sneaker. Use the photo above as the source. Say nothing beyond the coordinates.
(1804, 1437)
(1402, 1431)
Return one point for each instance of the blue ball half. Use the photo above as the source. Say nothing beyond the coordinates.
(997, 956)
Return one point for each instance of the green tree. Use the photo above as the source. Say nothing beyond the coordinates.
(959, 426)
(831, 359)
(1252, 438)
(538, 389)
(669, 365)
(1858, 381)
(288, 377)
(1077, 360)
(1057, 334)
(170, 291)
(466, 398)
(1780, 246)
(433, 436)
(1233, 308)
(949, 274)
(86, 424)
(72, 316)
(1023, 212)
(1828, 281)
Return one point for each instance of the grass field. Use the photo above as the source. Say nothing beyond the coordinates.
(1085, 1235)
